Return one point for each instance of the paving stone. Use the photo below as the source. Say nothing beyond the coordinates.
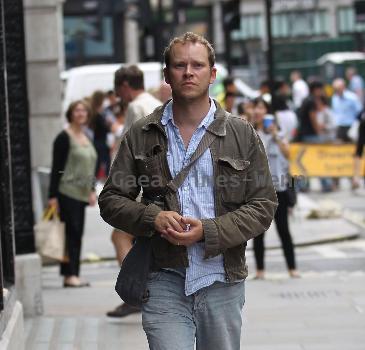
(67, 330)
(272, 347)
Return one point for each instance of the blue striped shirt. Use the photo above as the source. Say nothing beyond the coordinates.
(196, 196)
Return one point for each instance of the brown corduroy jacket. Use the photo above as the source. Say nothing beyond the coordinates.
(245, 199)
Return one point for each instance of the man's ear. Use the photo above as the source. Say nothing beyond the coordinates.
(166, 75)
(213, 75)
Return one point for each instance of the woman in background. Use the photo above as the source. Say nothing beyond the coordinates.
(71, 187)
(246, 110)
(326, 120)
(286, 119)
(118, 126)
(277, 149)
(100, 127)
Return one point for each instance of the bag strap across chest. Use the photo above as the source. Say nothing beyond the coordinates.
(179, 179)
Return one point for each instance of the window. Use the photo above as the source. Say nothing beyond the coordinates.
(251, 28)
(284, 25)
(347, 22)
(87, 37)
(300, 23)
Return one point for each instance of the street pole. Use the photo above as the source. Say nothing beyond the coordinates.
(159, 32)
(228, 48)
(269, 54)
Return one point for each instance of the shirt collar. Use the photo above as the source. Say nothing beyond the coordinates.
(167, 115)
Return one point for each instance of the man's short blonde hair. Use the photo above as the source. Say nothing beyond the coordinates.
(191, 38)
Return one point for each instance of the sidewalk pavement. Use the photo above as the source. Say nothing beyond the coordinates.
(320, 311)
(97, 245)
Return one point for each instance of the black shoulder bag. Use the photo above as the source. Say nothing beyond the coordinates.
(132, 279)
(291, 192)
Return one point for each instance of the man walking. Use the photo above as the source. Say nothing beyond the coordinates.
(300, 89)
(346, 106)
(355, 83)
(196, 283)
(129, 86)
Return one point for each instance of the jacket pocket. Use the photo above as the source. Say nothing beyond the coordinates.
(150, 167)
(232, 179)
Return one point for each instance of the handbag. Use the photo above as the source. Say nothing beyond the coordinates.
(131, 284)
(50, 236)
(291, 193)
(353, 132)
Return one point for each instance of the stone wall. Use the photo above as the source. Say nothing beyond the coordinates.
(45, 61)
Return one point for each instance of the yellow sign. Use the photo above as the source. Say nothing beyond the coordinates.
(326, 160)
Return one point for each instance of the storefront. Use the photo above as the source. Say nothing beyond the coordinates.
(94, 31)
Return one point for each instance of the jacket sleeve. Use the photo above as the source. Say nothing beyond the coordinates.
(117, 200)
(254, 216)
(61, 147)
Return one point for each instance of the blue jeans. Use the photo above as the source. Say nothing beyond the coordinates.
(211, 317)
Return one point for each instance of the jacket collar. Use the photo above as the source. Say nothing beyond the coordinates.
(217, 127)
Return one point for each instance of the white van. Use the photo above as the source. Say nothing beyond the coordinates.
(80, 82)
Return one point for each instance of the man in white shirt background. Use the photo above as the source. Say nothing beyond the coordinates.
(129, 86)
(300, 89)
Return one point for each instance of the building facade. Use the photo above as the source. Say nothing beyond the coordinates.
(303, 30)
(129, 31)
(111, 31)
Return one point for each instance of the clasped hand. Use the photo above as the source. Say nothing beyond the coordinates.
(178, 230)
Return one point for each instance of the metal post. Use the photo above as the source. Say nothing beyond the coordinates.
(231, 21)
(175, 10)
(228, 49)
(159, 27)
(1, 280)
(269, 55)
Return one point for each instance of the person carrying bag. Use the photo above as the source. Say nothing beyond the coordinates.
(194, 290)
(133, 274)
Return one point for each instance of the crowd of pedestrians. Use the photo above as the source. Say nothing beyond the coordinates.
(302, 111)
(312, 112)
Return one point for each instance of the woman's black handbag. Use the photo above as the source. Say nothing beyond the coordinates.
(133, 275)
(291, 192)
